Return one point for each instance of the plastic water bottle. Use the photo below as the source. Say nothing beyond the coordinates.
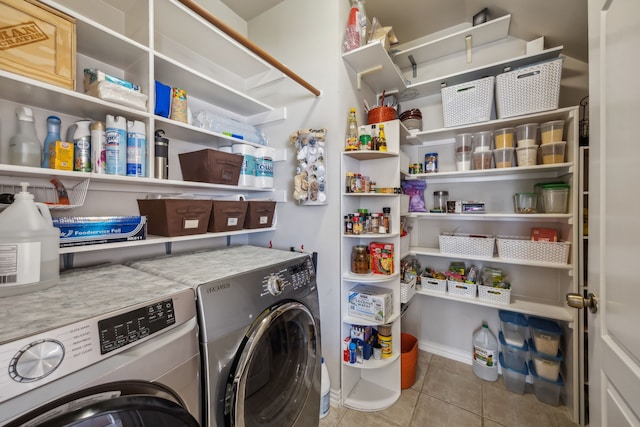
(325, 389)
(24, 146)
(485, 354)
(53, 135)
(29, 246)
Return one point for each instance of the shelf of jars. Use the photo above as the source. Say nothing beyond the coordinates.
(556, 170)
(491, 217)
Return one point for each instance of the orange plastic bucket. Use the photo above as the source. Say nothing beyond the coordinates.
(408, 360)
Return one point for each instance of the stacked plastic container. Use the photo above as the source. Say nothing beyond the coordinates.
(542, 348)
(546, 357)
(513, 357)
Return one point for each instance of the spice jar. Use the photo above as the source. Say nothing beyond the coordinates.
(386, 220)
(360, 259)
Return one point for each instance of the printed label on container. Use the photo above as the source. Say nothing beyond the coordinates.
(484, 356)
(19, 263)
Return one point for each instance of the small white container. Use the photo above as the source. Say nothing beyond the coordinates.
(553, 152)
(547, 367)
(552, 131)
(555, 197)
(482, 141)
(526, 135)
(514, 376)
(503, 157)
(545, 390)
(527, 156)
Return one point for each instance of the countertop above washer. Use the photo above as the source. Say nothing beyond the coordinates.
(80, 294)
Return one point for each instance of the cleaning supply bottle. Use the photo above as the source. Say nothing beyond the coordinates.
(24, 146)
(485, 354)
(29, 246)
(136, 149)
(116, 147)
(53, 135)
(325, 391)
(82, 146)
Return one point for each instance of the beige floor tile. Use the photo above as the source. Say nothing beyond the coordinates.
(333, 417)
(489, 423)
(460, 389)
(452, 365)
(402, 411)
(432, 412)
(421, 374)
(369, 419)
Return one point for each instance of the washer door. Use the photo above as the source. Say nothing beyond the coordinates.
(271, 377)
(127, 404)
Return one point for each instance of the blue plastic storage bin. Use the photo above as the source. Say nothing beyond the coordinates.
(547, 391)
(514, 327)
(513, 354)
(545, 335)
(514, 376)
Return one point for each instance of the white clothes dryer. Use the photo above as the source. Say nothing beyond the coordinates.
(107, 346)
(260, 333)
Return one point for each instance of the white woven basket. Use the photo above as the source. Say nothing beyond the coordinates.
(407, 290)
(465, 244)
(460, 289)
(470, 102)
(431, 284)
(497, 295)
(523, 248)
(529, 90)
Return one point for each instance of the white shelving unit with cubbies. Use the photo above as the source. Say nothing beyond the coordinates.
(142, 42)
(538, 287)
(375, 384)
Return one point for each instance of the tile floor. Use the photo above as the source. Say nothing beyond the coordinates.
(447, 393)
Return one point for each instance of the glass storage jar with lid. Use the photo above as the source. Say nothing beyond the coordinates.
(360, 259)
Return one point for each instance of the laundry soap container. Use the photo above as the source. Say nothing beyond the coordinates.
(29, 246)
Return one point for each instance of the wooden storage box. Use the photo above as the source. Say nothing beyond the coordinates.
(38, 41)
(259, 214)
(175, 217)
(213, 166)
(227, 215)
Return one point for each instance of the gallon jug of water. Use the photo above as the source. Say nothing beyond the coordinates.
(29, 246)
(485, 354)
(325, 391)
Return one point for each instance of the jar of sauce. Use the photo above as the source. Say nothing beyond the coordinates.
(360, 259)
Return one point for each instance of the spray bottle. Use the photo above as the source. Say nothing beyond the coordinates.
(29, 246)
(136, 149)
(24, 146)
(116, 148)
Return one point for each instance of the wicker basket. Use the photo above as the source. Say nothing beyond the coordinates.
(497, 295)
(467, 244)
(431, 284)
(381, 114)
(460, 289)
(523, 248)
(407, 290)
(469, 102)
(529, 90)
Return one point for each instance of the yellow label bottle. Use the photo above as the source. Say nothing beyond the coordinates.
(382, 139)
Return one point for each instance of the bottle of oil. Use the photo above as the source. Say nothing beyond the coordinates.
(351, 136)
(29, 246)
(382, 139)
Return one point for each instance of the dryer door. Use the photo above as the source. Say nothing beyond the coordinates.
(271, 379)
(126, 404)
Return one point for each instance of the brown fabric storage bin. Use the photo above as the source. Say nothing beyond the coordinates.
(38, 42)
(175, 217)
(227, 215)
(213, 166)
(259, 214)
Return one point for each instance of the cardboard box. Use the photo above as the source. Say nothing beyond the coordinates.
(176, 217)
(227, 215)
(94, 230)
(259, 214)
(61, 156)
(381, 258)
(213, 166)
(38, 42)
(372, 303)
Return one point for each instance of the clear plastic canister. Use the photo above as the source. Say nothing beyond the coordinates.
(440, 199)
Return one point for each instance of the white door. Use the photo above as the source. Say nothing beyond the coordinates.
(614, 204)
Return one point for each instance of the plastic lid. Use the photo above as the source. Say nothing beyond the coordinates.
(440, 193)
(554, 186)
(352, 345)
(24, 193)
(557, 358)
(504, 343)
(25, 114)
(548, 326)
(553, 123)
(510, 317)
(431, 154)
(522, 369)
(532, 371)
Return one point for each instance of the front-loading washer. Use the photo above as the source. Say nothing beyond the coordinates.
(260, 333)
(107, 346)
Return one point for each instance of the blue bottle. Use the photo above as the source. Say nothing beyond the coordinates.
(53, 135)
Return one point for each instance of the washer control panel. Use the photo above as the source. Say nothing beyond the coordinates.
(296, 276)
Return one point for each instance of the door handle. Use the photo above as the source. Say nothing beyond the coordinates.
(576, 300)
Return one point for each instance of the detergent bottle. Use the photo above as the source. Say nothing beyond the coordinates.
(29, 246)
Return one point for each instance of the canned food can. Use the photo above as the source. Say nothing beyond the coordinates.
(431, 162)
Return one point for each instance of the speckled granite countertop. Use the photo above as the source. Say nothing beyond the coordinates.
(196, 268)
(81, 294)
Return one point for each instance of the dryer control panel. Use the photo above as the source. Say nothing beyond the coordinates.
(297, 276)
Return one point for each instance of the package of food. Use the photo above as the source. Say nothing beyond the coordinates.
(381, 258)
(117, 94)
(372, 303)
